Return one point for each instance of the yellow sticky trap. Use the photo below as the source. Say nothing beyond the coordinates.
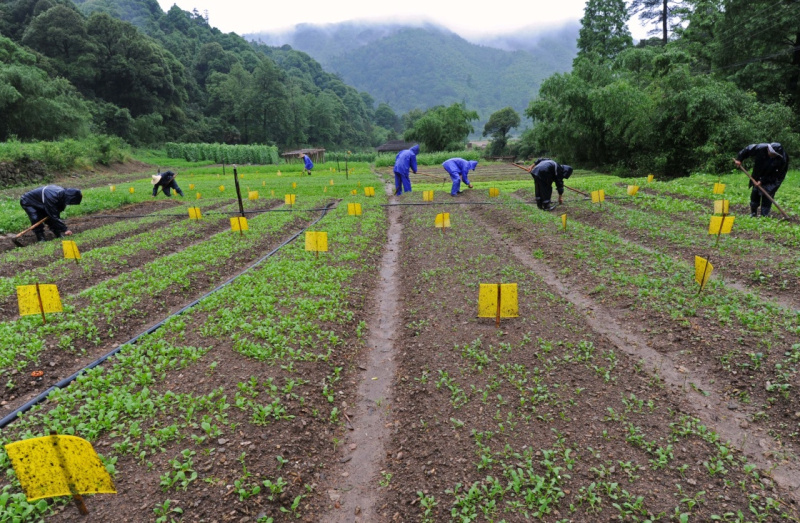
(279, 173)
(55, 465)
(722, 206)
(354, 192)
(197, 196)
(632, 190)
(195, 214)
(191, 187)
(494, 192)
(354, 209)
(702, 271)
(289, 199)
(564, 221)
(598, 196)
(487, 300)
(427, 196)
(71, 251)
(294, 185)
(650, 178)
(45, 300)
(252, 195)
(331, 181)
(718, 225)
(443, 220)
(263, 184)
(131, 190)
(239, 224)
(113, 188)
(369, 191)
(324, 189)
(719, 188)
(221, 188)
(316, 241)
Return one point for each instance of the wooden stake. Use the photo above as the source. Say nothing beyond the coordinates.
(497, 320)
(41, 305)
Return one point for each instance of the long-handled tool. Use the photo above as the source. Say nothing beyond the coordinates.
(14, 237)
(566, 187)
(764, 191)
(444, 179)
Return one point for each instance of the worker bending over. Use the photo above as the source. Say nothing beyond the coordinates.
(458, 169)
(165, 181)
(770, 163)
(48, 202)
(544, 172)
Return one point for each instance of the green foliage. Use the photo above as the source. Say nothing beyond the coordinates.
(604, 31)
(499, 125)
(67, 154)
(443, 128)
(221, 153)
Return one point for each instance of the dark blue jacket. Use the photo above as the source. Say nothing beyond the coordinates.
(548, 171)
(51, 200)
(766, 169)
(406, 160)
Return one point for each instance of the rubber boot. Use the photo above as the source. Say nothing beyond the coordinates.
(39, 236)
(753, 211)
(765, 211)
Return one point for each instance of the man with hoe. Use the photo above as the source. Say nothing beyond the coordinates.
(770, 163)
(47, 203)
(406, 160)
(165, 181)
(458, 169)
(544, 172)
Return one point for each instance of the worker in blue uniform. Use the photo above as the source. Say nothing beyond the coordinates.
(458, 169)
(405, 161)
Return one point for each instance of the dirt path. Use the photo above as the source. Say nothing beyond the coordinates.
(357, 495)
(710, 405)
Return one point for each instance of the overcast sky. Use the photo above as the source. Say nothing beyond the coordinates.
(495, 17)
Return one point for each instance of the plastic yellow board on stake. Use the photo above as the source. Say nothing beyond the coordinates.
(239, 224)
(720, 226)
(443, 220)
(289, 199)
(427, 196)
(331, 181)
(650, 178)
(71, 251)
(354, 192)
(113, 188)
(272, 192)
(354, 209)
(191, 187)
(131, 190)
(564, 221)
(369, 191)
(31, 301)
(316, 241)
(324, 189)
(58, 465)
(722, 206)
(702, 271)
(632, 190)
(197, 196)
(494, 192)
(195, 214)
(221, 188)
(487, 300)
(598, 196)
(252, 195)
(279, 173)
(263, 184)
(719, 188)
(294, 185)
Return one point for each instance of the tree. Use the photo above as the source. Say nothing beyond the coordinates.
(386, 117)
(443, 128)
(499, 125)
(661, 12)
(604, 31)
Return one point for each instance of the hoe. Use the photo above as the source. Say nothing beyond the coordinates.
(15, 237)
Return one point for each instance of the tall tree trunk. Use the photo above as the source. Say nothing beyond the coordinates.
(794, 78)
(664, 22)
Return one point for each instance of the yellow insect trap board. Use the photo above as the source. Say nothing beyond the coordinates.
(354, 192)
(632, 190)
(369, 191)
(239, 223)
(719, 188)
(294, 185)
(650, 178)
(564, 221)
(427, 196)
(195, 214)
(289, 199)
(112, 188)
(71, 251)
(494, 192)
(131, 190)
(191, 187)
(598, 196)
(443, 220)
(57, 465)
(354, 209)
(718, 225)
(252, 195)
(722, 206)
(331, 182)
(702, 271)
(197, 196)
(38, 299)
(316, 241)
(498, 301)
(221, 188)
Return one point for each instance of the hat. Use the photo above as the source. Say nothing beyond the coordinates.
(567, 171)
(775, 148)
(155, 179)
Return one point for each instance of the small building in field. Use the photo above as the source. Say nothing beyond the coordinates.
(316, 155)
(394, 146)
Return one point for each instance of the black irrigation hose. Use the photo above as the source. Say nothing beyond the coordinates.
(66, 381)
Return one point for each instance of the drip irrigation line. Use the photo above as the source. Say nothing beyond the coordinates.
(66, 381)
(257, 211)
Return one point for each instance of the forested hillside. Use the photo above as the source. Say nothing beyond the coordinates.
(68, 70)
(420, 67)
